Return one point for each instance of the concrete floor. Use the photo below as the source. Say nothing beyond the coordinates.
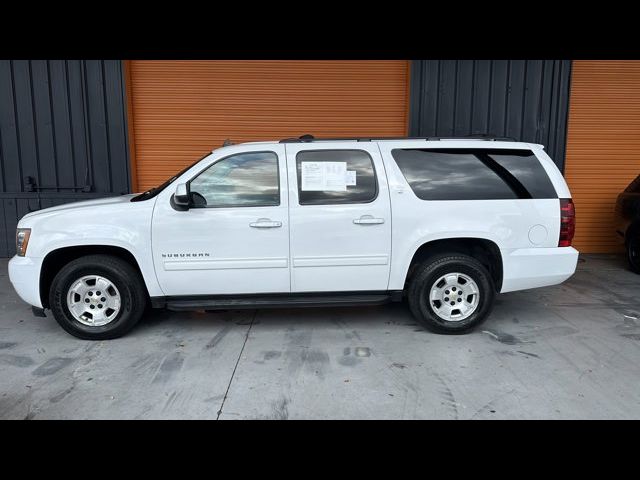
(570, 351)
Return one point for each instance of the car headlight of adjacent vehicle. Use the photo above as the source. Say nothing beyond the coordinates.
(22, 240)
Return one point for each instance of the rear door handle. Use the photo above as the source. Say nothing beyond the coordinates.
(368, 220)
(265, 223)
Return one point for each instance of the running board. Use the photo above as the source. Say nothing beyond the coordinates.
(274, 301)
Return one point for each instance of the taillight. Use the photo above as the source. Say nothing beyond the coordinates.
(567, 222)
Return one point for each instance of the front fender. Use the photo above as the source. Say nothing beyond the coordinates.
(123, 225)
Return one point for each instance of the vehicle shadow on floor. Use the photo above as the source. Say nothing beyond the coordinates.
(389, 316)
(395, 313)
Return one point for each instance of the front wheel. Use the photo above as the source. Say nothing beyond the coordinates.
(97, 297)
(451, 293)
(633, 252)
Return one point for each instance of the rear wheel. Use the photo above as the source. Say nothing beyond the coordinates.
(97, 297)
(451, 293)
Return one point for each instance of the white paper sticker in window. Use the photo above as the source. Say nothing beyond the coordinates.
(312, 176)
(324, 176)
(350, 178)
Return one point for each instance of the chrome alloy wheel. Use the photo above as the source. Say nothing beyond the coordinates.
(454, 297)
(93, 300)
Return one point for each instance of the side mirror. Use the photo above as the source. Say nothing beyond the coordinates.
(181, 197)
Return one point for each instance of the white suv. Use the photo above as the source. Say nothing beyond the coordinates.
(444, 223)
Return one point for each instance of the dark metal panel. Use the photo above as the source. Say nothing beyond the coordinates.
(446, 97)
(498, 94)
(429, 112)
(99, 144)
(546, 121)
(23, 98)
(77, 117)
(44, 124)
(480, 97)
(116, 124)
(531, 101)
(63, 134)
(524, 99)
(5, 246)
(64, 124)
(515, 98)
(10, 215)
(560, 142)
(464, 98)
(11, 177)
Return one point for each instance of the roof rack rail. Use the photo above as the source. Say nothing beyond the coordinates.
(478, 136)
(310, 138)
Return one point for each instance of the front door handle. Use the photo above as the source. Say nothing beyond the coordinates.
(265, 223)
(368, 220)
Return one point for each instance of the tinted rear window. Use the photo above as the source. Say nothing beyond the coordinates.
(474, 174)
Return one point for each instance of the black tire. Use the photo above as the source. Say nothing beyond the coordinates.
(633, 251)
(429, 272)
(125, 278)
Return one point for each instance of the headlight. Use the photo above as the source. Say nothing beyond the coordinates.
(22, 240)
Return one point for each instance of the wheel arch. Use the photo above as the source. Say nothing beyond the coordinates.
(58, 258)
(483, 249)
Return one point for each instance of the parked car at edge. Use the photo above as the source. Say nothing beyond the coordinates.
(443, 223)
(628, 222)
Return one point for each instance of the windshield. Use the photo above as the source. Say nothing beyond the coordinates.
(152, 192)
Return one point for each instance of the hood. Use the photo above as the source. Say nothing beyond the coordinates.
(83, 204)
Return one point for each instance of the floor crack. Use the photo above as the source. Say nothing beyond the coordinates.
(246, 337)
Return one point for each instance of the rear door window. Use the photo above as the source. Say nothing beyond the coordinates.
(356, 183)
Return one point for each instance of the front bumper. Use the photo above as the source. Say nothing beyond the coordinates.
(24, 274)
(525, 268)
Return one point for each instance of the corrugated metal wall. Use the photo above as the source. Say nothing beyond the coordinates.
(523, 99)
(182, 109)
(63, 136)
(603, 148)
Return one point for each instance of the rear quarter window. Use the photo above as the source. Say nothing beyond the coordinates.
(474, 174)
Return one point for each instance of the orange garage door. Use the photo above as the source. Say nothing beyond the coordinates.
(603, 146)
(179, 110)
